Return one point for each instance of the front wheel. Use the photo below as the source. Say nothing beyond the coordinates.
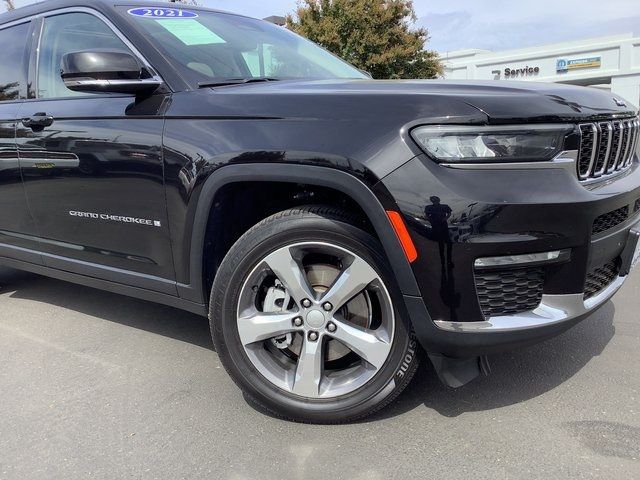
(304, 319)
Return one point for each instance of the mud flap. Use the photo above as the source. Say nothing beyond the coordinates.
(456, 372)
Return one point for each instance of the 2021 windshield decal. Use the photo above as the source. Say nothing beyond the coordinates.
(162, 13)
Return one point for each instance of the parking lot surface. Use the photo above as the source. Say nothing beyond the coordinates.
(96, 385)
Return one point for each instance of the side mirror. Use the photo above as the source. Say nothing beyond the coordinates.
(105, 71)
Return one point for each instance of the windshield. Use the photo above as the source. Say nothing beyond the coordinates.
(211, 46)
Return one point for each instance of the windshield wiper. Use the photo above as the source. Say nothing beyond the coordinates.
(236, 81)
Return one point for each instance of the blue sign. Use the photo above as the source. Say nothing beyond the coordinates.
(565, 65)
(162, 13)
(561, 65)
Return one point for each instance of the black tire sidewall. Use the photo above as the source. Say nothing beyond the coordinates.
(252, 248)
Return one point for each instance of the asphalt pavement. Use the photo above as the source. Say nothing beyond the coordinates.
(96, 385)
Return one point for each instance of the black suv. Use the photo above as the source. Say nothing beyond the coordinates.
(330, 225)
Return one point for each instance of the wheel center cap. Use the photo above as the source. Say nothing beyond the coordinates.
(315, 319)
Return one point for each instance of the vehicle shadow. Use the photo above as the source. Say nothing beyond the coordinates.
(516, 376)
(148, 316)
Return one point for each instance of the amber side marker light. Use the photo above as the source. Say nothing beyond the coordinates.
(403, 235)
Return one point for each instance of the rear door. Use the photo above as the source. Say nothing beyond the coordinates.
(94, 173)
(17, 228)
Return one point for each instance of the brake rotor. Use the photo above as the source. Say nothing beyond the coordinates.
(357, 311)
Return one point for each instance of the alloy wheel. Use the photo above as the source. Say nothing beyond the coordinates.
(316, 320)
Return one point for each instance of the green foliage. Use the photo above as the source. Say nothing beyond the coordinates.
(9, 91)
(374, 35)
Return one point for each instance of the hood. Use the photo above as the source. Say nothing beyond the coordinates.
(429, 101)
(542, 102)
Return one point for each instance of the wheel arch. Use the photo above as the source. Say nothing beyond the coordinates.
(354, 188)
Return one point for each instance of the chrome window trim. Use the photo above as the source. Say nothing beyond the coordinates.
(15, 23)
(110, 25)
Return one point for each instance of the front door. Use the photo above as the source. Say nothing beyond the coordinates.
(18, 236)
(92, 167)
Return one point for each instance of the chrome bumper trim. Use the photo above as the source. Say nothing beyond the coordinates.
(553, 309)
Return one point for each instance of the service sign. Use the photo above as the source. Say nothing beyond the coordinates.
(566, 65)
(162, 13)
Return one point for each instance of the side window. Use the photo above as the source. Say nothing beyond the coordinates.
(12, 72)
(67, 33)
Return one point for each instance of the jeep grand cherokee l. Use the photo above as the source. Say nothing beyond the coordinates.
(330, 225)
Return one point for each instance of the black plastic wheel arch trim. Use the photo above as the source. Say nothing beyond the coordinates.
(286, 173)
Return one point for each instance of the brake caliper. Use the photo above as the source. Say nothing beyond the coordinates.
(276, 301)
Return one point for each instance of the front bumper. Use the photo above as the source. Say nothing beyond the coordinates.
(553, 309)
(509, 212)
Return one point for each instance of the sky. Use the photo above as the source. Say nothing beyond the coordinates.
(487, 24)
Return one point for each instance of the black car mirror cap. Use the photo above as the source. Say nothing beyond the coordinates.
(107, 71)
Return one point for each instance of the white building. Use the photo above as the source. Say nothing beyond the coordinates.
(611, 63)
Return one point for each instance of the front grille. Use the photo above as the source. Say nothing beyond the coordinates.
(506, 292)
(606, 147)
(600, 278)
(610, 220)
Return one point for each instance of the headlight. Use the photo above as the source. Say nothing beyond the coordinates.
(517, 143)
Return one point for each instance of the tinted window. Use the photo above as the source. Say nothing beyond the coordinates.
(68, 33)
(12, 77)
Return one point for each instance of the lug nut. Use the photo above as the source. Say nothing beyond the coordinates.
(297, 321)
(327, 306)
(313, 336)
(306, 303)
(331, 327)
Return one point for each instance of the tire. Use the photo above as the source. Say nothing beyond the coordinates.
(375, 354)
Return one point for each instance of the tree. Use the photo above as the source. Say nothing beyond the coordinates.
(374, 35)
(10, 5)
(9, 91)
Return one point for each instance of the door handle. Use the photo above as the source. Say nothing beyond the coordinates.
(38, 121)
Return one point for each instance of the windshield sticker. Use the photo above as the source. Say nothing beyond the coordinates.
(190, 32)
(161, 13)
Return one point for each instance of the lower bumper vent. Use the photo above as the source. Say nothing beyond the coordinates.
(610, 220)
(600, 278)
(506, 292)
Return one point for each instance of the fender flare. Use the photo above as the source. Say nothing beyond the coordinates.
(307, 174)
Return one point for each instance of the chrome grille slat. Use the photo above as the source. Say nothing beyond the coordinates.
(623, 141)
(606, 147)
(588, 148)
(627, 143)
(634, 141)
(615, 146)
